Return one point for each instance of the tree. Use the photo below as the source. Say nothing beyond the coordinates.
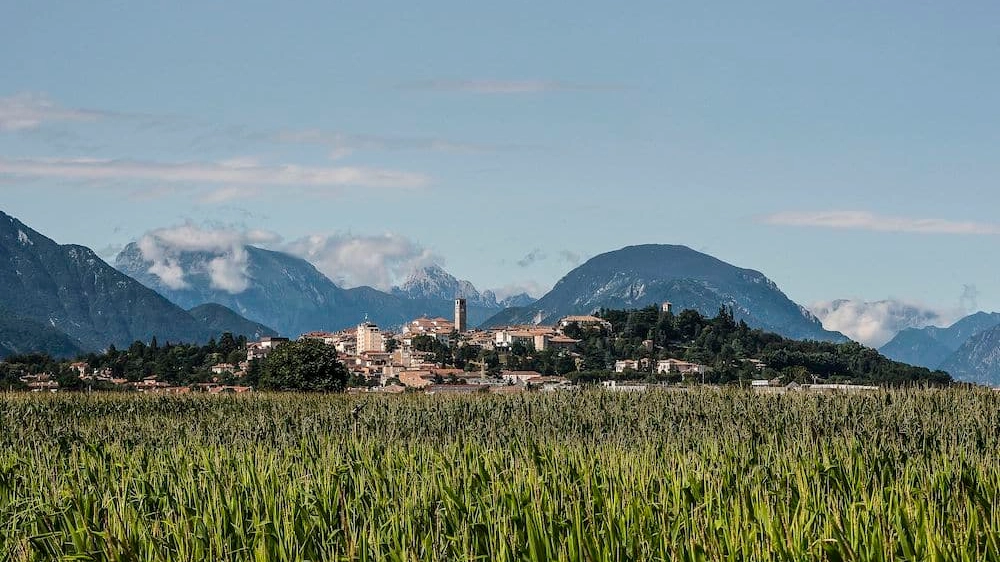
(307, 365)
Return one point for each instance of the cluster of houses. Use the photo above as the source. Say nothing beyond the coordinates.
(390, 362)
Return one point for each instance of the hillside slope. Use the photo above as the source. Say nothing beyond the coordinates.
(71, 289)
(638, 276)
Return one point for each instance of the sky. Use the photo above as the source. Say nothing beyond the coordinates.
(845, 149)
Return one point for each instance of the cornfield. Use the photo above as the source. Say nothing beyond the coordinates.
(590, 475)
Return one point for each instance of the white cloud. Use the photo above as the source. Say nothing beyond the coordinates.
(504, 86)
(349, 260)
(239, 172)
(27, 110)
(227, 270)
(875, 323)
(863, 220)
(378, 261)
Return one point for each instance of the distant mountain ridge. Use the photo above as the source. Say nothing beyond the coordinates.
(637, 276)
(932, 346)
(978, 359)
(432, 282)
(517, 301)
(289, 294)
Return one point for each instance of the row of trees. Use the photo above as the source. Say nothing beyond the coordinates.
(301, 365)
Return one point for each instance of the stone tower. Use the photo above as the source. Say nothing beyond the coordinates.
(461, 321)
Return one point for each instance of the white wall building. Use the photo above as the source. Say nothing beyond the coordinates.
(370, 338)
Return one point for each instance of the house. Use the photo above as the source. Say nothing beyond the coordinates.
(176, 390)
(328, 338)
(482, 339)
(548, 383)
(554, 341)
(616, 386)
(627, 365)
(149, 384)
(260, 349)
(507, 338)
(43, 386)
(220, 368)
(665, 366)
(519, 377)
(584, 322)
(429, 326)
(416, 379)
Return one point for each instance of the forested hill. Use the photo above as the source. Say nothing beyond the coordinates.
(728, 346)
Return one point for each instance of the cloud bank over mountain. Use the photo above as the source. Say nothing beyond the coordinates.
(875, 323)
(227, 270)
(349, 260)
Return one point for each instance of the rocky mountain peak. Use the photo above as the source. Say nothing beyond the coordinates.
(434, 283)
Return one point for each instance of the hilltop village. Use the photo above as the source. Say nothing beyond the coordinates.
(435, 355)
(624, 350)
(440, 355)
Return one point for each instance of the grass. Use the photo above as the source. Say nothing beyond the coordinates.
(704, 475)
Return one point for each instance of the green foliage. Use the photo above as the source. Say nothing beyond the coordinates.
(576, 476)
(178, 364)
(727, 346)
(306, 365)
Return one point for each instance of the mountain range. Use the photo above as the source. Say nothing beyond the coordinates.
(978, 359)
(64, 300)
(961, 348)
(290, 294)
(638, 276)
(68, 299)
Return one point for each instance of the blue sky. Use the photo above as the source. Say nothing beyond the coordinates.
(845, 149)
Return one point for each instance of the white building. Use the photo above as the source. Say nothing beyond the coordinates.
(370, 338)
(260, 349)
(678, 366)
(624, 364)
